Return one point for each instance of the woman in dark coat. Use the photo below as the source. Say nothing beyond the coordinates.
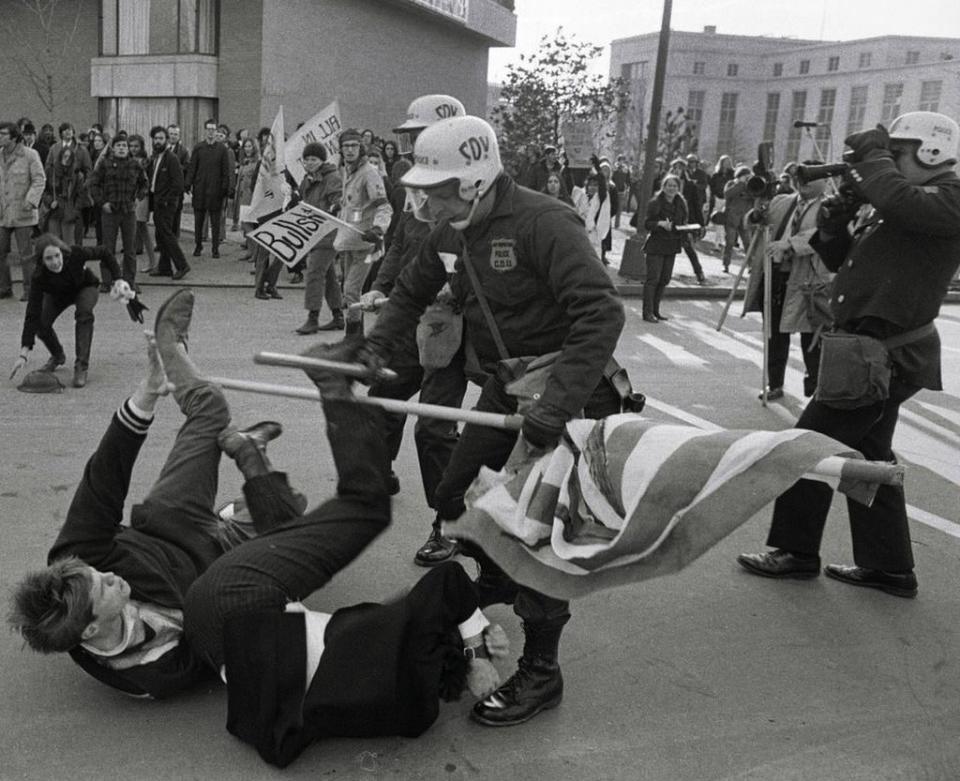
(665, 211)
(61, 280)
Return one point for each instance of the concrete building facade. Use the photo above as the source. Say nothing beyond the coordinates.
(149, 62)
(741, 90)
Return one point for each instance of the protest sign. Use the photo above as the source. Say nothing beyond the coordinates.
(294, 233)
(578, 143)
(268, 193)
(322, 128)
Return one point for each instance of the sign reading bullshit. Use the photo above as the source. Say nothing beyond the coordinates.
(295, 232)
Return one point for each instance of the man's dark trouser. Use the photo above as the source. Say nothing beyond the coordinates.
(435, 438)
(170, 252)
(690, 249)
(485, 446)
(880, 533)
(292, 560)
(266, 268)
(659, 273)
(25, 248)
(200, 216)
(778, 345)
(53, 307)
(126, 224)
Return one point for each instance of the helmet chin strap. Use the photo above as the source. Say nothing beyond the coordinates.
(465, 222)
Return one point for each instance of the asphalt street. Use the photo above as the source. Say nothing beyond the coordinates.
(709, 674)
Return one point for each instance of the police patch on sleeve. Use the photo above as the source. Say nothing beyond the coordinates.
(503, 256)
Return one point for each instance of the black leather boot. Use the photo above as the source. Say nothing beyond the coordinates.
(536, 686)
(436, 550)
(335, 323)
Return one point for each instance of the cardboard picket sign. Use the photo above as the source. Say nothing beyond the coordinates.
(292, 234)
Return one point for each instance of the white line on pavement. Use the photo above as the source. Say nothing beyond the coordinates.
(933, 521)
(674, 352)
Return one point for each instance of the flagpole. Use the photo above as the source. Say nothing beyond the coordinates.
(831, 468)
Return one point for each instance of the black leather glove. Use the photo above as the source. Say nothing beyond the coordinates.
(136, 308)
(352, 350)
(868, 144)
(838, 211)
(542, 428)
(373, 236)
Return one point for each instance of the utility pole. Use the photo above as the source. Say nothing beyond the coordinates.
(650, 149)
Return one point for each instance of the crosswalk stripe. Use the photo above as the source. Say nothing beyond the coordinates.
(674, 352)
(933, 521)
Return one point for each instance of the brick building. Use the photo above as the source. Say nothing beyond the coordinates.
(741, 90)
(136, 63)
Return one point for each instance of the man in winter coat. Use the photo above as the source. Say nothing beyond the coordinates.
(22, 182)
(208, 179)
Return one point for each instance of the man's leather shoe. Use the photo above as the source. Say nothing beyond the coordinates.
(780, 564)
(535, 686)
(261, 294)
(197, 251)
(436, 550)
(650, 319)
(53, 362)
(661, 317)
(155, 272)
(900, 584)
(773, 394)
(271, 291)
(79, 378)
(335, 324)
(215, 253)
(175, 314)
(180, 273)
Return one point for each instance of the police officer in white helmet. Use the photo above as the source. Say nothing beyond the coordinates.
(894, 261)
(537, 289)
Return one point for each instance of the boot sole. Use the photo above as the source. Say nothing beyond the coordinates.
(552, 703)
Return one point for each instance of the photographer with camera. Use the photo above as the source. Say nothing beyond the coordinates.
(800, 283)
(893, 269)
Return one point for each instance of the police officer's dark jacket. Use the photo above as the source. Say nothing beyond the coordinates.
(542, 279)
(893, 273)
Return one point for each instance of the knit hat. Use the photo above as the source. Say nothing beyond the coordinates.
(314, 149)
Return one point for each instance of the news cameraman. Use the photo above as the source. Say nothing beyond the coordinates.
(893, 270)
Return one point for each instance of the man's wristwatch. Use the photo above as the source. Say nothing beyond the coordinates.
(471, 652)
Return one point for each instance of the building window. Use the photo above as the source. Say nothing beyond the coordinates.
(732, 69)
(891, 102)
(865, 58)
(828, 102)
(804, 66)
(695, 100)
(797, 110)
(833, 64)
(946, 56)
(930, 95)
(158, 27)
(770, 119)
(138, 115)
(633, 70)
(727, 133)
(913, 58)
(858, 109)
(777, 69)
(699, 68)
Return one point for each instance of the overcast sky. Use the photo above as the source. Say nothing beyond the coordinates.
(601, 21)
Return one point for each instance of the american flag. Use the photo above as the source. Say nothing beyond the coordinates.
(625, 498)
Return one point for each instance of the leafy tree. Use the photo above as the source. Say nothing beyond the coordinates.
(549, 87)
(677, 137)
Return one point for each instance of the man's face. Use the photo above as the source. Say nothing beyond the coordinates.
(904, 155)
(219, 136)
(810, 190)
(350, 151)
(109, 595)
(443, 202)
(210, 132)
(121, 150)
(67, 135)
(159, 141)
(173, 134)
(312, 164)
(53, 259)
(6, 140)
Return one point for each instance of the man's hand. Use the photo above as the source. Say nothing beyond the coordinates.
(54, 205)
(18, 364)
(373, 236)
(665, 224)
(541, 428)
(868, 144)
(121, 290)
(482, 677)
(107, 208)
(496, 641)
(368, 301)
(155, 381)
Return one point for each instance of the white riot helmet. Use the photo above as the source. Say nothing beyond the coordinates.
(939, 136)
(422, 113)
(462, 148)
